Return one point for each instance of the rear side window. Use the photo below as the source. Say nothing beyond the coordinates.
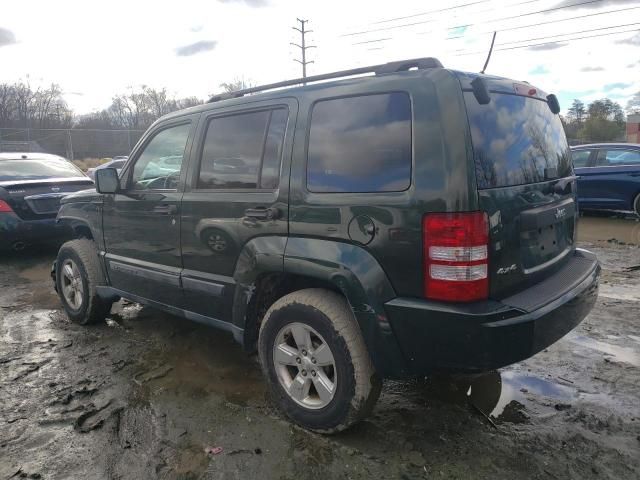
(243, 150)
(580, 158)
(360, 144)
(618, 157)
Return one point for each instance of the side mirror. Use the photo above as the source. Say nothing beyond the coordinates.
(107, 180)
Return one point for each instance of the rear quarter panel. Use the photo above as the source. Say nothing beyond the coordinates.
(441, 177)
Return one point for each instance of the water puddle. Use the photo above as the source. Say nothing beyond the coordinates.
(620, 292)
(615, 230)
(518, 388)
(507, 396)
(621, 354)
(38, 273)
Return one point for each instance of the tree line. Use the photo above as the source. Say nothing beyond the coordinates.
(600, 121)
(24, 106)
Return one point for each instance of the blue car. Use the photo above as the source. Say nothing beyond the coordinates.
(31, 186)
(608, 176)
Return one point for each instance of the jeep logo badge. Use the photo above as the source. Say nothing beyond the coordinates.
(560, 213)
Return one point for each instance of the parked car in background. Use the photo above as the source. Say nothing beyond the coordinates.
(31, 186)
(115, 162)
(609, 176)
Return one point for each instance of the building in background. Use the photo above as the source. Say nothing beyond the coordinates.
(633, 128)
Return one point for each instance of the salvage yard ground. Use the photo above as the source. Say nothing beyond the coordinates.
(149, 395)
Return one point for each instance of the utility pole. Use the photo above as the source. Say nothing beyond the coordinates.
(303, 46)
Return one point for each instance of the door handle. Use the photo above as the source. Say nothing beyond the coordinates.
(166, 209)
(262, 213)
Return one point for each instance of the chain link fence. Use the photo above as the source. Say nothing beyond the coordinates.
(74, 144)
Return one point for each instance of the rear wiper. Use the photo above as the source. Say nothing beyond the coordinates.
(561, 186)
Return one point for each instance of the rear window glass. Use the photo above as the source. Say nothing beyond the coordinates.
(34, 169)
(516, 140)
(360, 144)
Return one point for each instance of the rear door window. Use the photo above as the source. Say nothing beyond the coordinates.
(581, 158)
(360, 144)
(516, 140)
(616, 157)
(243, 150)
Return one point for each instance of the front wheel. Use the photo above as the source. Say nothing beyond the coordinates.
(78, 273)
(316, 361)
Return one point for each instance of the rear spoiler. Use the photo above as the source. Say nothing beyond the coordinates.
(483, 95)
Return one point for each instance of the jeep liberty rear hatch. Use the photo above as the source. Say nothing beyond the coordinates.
(525, 182)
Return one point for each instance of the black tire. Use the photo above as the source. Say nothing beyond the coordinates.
(83, 254)
(357, 388)
(636, 205)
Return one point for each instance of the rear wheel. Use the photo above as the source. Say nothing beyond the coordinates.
(316, 361)
(78, 273)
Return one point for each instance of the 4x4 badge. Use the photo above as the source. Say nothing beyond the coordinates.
(560, 213)
(509, 269)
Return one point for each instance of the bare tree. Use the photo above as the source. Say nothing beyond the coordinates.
(238, 83)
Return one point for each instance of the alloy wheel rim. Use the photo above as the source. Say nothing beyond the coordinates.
(72, 284)
(305, 366)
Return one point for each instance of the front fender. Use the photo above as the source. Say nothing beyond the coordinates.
(86, 214)
(358, 275)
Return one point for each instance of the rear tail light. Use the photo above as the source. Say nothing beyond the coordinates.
(456, 256)
(5, 207)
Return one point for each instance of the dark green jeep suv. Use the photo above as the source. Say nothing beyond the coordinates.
(394, 221)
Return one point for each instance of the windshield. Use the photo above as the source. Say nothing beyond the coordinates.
(35, 169)
(516, 140)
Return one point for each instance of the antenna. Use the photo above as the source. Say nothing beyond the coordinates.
(489, 55)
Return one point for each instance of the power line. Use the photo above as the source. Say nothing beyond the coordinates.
(562, 35)
(435, 11)
(568, 40)
(471, 24)
(530, 13)
(519, 27)
(456, 7)
(303, 46)
(372, 41)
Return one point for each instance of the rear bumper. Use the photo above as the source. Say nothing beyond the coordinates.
(489, 335)
(14, 230)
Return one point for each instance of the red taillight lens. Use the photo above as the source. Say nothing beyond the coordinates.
(456, 256)
(5, 207)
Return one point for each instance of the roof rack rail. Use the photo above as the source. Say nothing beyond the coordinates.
(391, 67)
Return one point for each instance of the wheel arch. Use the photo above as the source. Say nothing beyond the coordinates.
(263, 276)
(83, 218)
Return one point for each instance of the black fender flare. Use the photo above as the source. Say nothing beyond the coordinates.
(361, 279)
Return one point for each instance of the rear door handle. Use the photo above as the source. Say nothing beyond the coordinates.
(262, 213)
(166, 209)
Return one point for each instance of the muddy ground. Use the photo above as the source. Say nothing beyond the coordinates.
(144, 395)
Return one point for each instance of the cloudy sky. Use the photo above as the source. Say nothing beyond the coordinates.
(96, 49)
